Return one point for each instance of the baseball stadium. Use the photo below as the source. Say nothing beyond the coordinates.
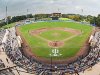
(59, 40)
(49, 42)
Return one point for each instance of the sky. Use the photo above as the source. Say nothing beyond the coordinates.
(19, 7)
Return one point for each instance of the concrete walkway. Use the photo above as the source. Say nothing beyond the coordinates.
(9, 63)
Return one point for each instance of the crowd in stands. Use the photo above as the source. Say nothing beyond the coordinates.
(3, 70)
(14, 53)
(7, 72)
(33, 66)
(1, 64)
(2, 32)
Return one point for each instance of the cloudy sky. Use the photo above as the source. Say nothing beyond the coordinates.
(19, 7)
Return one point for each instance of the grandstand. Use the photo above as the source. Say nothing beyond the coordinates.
(2, 32)
(56, 16)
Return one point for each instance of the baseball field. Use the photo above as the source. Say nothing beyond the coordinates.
(61, 40)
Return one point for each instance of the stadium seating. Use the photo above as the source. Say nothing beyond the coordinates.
(33, 66)
(2, 32)
(1, 64)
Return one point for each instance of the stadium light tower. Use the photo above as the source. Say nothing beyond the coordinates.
(58, 10)
(82, 11)
(6, 15)
(27, 12)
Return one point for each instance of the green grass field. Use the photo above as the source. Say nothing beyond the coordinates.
(55, 35)
(41, 48)
(64, 19)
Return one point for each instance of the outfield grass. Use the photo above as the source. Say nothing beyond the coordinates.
(41, 48)
(64, 19)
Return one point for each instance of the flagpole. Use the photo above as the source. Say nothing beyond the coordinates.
(82, 14)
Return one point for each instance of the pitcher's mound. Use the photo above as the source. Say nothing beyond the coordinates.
(56, 44)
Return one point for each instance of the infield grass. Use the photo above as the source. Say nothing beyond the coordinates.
(55, 35)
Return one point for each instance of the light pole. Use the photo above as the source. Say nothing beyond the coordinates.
(6, 16)
(27, 12)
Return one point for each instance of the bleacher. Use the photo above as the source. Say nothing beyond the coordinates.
(2, 32)
(1, 64)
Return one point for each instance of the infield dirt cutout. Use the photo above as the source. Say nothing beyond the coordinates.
(55, 44)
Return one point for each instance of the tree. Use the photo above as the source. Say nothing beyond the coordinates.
(96, 21)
